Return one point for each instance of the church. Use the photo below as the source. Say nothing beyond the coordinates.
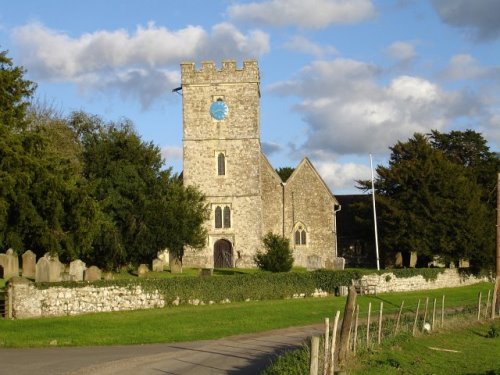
(222, 156)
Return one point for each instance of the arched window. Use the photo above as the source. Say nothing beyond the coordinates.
(218, 217)
(303, 237)
(227, 217)
(300, 236)
(297, 237)
(221, 164)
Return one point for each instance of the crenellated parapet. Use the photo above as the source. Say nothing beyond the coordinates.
(229, 72)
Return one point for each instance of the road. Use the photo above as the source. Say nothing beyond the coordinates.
(243, 354)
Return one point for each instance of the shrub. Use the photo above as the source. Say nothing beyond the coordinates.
(277, 257)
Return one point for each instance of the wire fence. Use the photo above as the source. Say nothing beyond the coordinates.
(372, 325)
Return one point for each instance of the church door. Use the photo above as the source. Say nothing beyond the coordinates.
(223, 254)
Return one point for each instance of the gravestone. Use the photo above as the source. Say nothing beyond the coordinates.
(175, 264)
(42, 270)
(398, 260)
(413, 259)
(142, 270)
(313, 263)
(338, 263)
(108, 275)
(93, 273)
(29, 264)
(56, 268)
(10, 264)
(77, 269)
(158, 265)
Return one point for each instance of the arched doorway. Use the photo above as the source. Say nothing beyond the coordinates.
(223, 254)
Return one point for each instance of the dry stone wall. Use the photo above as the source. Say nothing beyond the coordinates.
(28, 301)
(449, 278)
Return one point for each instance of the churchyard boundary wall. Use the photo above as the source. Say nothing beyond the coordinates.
(34, 300)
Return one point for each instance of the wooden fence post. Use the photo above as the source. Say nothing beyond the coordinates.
(425, 313)
(355, 341)
(326, 346)
(416, 319)
(434, 315)
(479, 306)
(399, 318)
(332, 346)
(368, 325)
(346, 324)
(313, 368)
(380, 323)
(494, 301)
(442, 312)
(487, 309)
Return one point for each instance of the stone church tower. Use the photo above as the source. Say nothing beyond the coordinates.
(222, 156)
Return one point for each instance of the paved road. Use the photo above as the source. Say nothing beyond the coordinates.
(244, 354)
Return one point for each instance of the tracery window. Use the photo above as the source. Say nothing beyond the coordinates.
(222, 217)
(300, 236)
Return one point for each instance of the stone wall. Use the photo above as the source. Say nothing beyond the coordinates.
(450, 278)
(30, 302)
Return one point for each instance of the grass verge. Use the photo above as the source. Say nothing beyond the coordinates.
(188, 323)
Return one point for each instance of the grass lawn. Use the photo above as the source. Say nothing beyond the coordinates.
(187, 323)
(457, 350)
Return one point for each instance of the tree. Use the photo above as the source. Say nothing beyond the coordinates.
(285, 173)
(15, 93)
(144, 208)
(428, 204)
(277, 256)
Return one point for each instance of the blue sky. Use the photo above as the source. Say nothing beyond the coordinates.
(340, 79)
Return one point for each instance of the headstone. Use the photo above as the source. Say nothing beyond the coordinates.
(158, 265)
(413, 259)
(29, 264)
(93, 273)
(313, 263)
(56, 268)
(108, 275)
(42, 270)
(464, 263)
(338, 263)
(77, 269)
(10, 263)
(175, 264)
(142, 270)
(398, 260)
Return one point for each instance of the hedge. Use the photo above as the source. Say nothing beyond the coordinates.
(257, 286)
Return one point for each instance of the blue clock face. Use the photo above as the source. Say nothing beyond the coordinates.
(218, 110)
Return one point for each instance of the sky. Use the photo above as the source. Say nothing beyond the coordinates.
(340, 79)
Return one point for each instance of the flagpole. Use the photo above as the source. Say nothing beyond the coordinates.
(374, 215)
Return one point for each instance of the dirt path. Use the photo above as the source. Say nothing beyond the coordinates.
(244, 354)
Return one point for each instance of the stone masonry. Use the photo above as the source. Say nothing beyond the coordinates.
(258, 201)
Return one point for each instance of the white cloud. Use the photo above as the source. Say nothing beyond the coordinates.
(143, 64)
(403, 52)
(304, 45)
(270, 148)
(342, 176)
(466, 67)
(171, 153)
(480, 17)
(348, 111)
(303, 13)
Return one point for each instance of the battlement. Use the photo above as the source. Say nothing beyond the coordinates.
(229, 72)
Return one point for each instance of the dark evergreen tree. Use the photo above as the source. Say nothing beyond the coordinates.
(429, 204)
